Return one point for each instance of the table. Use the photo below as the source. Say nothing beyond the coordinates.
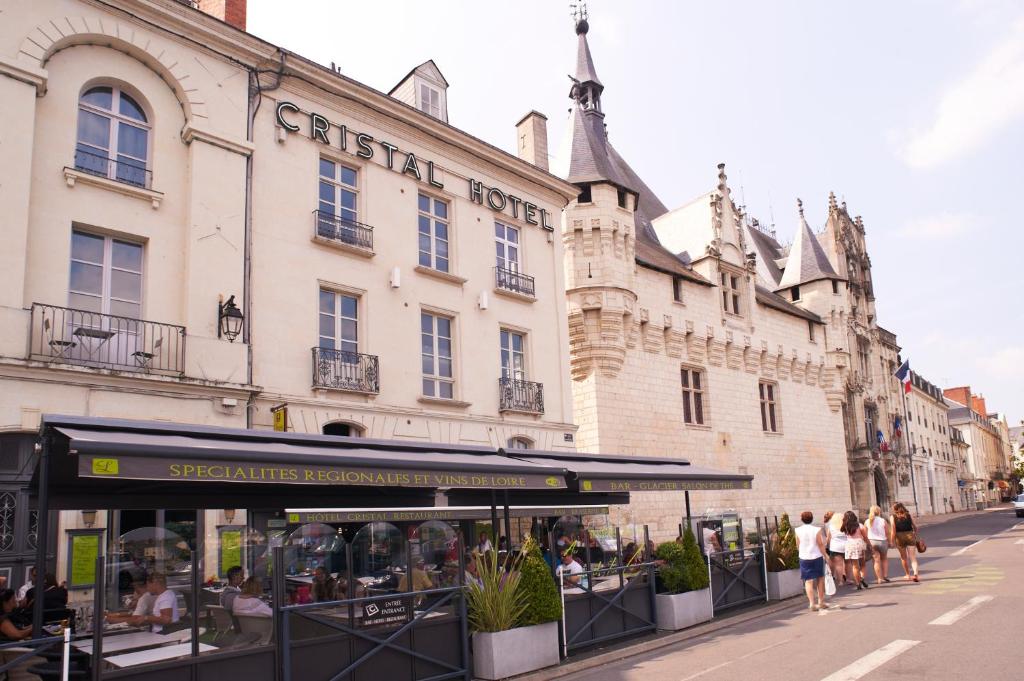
(134, 641)
(605, 584)
(155, 655)
(96, 338)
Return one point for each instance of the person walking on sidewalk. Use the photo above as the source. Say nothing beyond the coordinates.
(835, 540)
(856, 548)
(878, 537)
(903, 533)
(811, 546)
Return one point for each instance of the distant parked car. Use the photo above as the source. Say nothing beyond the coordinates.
(1018, 505)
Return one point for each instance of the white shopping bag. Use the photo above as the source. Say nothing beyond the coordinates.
(830, 582)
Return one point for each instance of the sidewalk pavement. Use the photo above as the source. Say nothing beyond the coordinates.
(636, 646)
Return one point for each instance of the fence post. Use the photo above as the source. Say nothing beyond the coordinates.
(711, 587)
(66, 657)
(97, 617)
(278, 591)
(463, 615)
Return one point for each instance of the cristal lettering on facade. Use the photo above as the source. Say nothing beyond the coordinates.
(497, 200)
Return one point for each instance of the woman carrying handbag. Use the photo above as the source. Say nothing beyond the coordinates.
(903, 533)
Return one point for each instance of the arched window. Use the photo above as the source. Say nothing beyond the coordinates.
(519, 443)
(339, 429)
(113, 136)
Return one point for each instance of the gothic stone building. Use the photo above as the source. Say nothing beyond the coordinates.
(679, 344)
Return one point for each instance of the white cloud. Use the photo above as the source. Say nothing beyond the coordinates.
(939, 226)
(976, 108)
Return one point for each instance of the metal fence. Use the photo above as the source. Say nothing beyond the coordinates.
(68, 336)
(335, 228)
(345, 370)
(524, 396)
(119, 169)
(514, 280)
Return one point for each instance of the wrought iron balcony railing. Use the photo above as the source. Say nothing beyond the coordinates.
(67, 336)
(341, 229)
(128, 171)
(342, 370)
(513, 280)
(524, 396)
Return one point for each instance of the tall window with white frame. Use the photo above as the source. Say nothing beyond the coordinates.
(769, 403)
(436, 355)
(113, 136)
(430, 100)
(337, 207)
(693, 395)
(339, 364)
(519, 443)
(506, 244)
(730, 292)
(433, 233)
(513, 355)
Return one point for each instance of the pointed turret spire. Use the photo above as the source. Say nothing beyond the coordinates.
(586, 87)
(807, 261)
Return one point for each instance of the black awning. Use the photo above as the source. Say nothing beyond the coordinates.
(127, 455)
(604, 473)
(366, 515)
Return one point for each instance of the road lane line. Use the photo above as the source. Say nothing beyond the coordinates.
(961, 611)
(871, 661)
(742, 657)
(960, 552)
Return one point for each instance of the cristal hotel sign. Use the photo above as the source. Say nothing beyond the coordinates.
(406, 163)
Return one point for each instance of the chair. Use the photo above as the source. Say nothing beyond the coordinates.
(21, 671)
(222, 619)
(250, 624)
(62, 348)
(143, 358)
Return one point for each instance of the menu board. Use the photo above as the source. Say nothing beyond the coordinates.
(83, 549)
(230, 550)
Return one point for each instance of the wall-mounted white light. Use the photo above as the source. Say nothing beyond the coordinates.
(396, 277)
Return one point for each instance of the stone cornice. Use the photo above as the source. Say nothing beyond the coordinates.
(26, 73)
(192, 133)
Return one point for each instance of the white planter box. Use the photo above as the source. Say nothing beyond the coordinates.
(785, 584)
(516, 651)
(679, 611)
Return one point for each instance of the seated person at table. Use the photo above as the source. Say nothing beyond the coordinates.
(472, 571)
(231, 591)
(9, 626)
(248, 601)
(164, 608)
(140, 603)
(54, 597)
(420, 579)
(325, 587)
(570, 571)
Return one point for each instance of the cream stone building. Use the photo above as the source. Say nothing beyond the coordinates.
(170, 181)
(986, 455)
(678, 348)
(935, 466)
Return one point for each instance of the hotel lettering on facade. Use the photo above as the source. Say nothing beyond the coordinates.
(396, 277)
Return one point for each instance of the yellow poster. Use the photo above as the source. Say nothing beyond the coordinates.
(230, 549)
(85, 548)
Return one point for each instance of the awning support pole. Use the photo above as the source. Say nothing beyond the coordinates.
(43, 538)
(508, 524)
(98, 596)
(494, 520)
(687, 493)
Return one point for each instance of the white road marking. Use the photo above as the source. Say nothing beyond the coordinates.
(965, 549)
(742, 657)
(962, 611)
(871, 661)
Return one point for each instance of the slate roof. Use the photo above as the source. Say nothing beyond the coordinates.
(807, 260)
(767, 250)
(777, 302)
(585, 71)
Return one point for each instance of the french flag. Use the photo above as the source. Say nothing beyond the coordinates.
(903, 373)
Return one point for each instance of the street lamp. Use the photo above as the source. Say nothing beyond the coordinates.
(229, 320)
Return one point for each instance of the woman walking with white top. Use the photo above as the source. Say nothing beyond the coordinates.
(878, 536)
(856, 548)
(836, 540)
(811, 546)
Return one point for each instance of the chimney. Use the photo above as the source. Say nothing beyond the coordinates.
(230, 11)
(532, 139)
(961, 395)
(979, 405)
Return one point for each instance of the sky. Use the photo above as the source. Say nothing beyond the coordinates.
(912, 112)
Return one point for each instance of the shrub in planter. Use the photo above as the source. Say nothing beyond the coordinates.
(685, 578)
(543, 603)
(496, 603)
(780, 551)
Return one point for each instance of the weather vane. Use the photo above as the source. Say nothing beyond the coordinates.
(579, 11)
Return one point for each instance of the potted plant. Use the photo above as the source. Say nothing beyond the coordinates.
(684, 574)
(514, 615)
(782, 562)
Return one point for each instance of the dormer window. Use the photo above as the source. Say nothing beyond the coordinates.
(622, 198)
(731, 292)
(430, 101)
(584, 195)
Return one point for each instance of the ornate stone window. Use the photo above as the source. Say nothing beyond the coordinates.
(731, 286)
(768, 393)
(693, 386)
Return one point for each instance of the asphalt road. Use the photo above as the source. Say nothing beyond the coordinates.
(963, 620)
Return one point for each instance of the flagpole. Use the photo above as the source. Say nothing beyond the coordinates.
(910, 439)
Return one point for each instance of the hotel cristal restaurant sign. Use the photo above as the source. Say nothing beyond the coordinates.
(406, 163)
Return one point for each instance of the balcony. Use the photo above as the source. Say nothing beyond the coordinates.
(350, 371)
(127, 171)
(62, 335)
(522, 396)
(339, 231)
(514, 282)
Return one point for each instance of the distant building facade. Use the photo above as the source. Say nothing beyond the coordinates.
(935, 465)
(987, 463)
